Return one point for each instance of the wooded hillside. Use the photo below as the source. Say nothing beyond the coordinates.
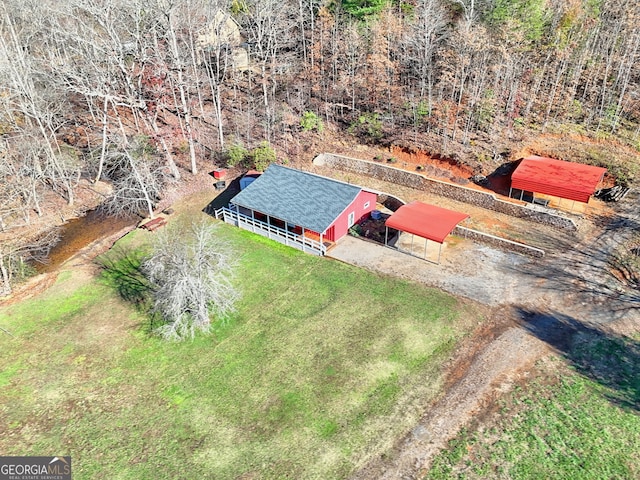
(139, 92)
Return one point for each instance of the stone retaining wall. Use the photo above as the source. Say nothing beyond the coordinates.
(501, 243)
(437, 187)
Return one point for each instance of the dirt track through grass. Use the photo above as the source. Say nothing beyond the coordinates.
(494, 370)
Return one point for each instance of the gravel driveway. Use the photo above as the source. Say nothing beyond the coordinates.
(468, 269)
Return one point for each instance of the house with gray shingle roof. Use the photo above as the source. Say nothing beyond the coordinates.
(299, 208)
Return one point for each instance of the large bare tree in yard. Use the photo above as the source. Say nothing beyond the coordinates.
(191, 270)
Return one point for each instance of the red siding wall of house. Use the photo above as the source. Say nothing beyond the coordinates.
(363, 204)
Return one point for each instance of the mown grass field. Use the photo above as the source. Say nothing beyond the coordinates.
(578, 420)
(322, 366)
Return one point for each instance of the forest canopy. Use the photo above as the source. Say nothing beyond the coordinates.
(83, 81)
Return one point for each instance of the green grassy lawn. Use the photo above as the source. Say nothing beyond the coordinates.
(569, 427)
(322, 366)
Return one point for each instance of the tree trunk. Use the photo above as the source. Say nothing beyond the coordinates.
(105, 123)
(6, 278)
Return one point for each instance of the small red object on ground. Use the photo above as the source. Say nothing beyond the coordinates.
(219, 173)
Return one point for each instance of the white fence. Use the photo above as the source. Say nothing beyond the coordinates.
(280, 235)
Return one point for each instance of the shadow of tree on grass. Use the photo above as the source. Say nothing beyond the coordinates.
(121, 270)
(612, 361)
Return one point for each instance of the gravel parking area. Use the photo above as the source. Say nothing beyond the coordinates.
(468, 269)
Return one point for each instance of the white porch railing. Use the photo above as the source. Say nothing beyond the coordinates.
(270, 231)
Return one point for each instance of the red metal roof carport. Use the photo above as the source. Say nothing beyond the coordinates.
(574, 181)
(426, 221)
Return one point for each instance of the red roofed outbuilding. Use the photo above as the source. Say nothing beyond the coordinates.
(574, 181)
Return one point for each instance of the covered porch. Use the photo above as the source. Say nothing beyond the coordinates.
(295, 236)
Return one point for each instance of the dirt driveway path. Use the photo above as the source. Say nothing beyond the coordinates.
(498, 366)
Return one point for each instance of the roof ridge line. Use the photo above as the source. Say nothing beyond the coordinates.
(323, 176)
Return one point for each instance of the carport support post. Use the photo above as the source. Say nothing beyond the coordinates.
(439, 252)
(521, 194)
(426, 241)
(386, 235)
(510, 190)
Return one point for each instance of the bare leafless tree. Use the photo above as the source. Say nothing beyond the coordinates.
(137, 176)
(191, 270)
(425, 34)
(17, 253)
(19, 186)
(34, 105)
(269, 25)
